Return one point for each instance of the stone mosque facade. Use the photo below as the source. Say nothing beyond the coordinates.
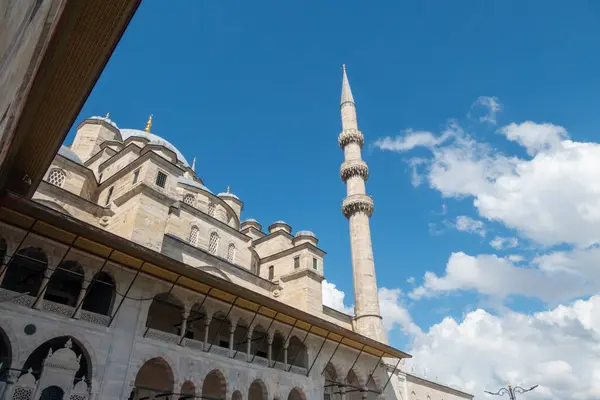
(76, 327)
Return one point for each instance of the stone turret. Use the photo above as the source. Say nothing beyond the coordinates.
(91, 133)
(358, 208)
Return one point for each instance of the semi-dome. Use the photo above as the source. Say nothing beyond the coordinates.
(153, 139)
(105, 119)
(70, 154)
(190, 182)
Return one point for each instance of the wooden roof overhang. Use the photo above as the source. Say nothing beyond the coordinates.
(31, 216)
(83, 39)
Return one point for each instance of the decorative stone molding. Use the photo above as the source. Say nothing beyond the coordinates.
(357, 203)
(351, 136)
(354, 168)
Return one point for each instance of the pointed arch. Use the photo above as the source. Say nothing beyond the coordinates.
(297, 353)
(258, 390)
(65, 283)
(188, 391)
(165, 313)
(155, 377)
(237, 395)
(214, 385)
(296, 394)
(218, 331)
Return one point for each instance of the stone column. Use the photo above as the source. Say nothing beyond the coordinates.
(269, 349)
(249, 345)
(364, 394)
(342, 392)
(285, 354)
(185, 315)
(206, 329)
(231, 338)
(79, 303)
(42, 290)
(13, 376)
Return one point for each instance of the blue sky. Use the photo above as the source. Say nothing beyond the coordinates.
(252, 90)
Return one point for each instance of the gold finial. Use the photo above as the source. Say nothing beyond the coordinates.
(149, 124)
(107, 115)
(344, 67)
(228, 189)
(509, 385)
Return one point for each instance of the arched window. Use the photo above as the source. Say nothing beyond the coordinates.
(25, 272)
(57, 177)
(211, 209)
(213, 243)
(188, 199)
(193, 239)
(231, 253)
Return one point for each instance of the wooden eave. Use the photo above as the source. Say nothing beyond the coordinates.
(34, 217)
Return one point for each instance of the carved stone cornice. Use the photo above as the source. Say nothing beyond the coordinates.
(357, 203)
(354, 168)
(351, 136)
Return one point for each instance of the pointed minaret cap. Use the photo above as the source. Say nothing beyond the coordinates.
(346, 91)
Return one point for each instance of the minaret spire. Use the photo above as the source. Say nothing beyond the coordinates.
(358, 208)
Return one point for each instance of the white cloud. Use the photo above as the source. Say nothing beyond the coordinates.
(554, 277)
(535, 137)
(558, 350)
(410, 140)
(334, 298)
(552, 197)
(490, 107)
(467, 224)
(500, 243)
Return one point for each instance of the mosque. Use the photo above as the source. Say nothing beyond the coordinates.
(127, 278)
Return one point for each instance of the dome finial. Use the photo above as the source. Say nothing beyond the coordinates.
(149, 124)
(194, 164)
(107, 115)
(228, 190)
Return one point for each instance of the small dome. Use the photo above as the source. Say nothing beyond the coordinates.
(227, 194)
(107, 120)
(190, 182)
(250, 220)
(280, 222)
(153, 139)
(305, 233)
(70, 154)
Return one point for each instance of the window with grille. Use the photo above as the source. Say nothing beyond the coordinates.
(213, 243)
(211, 209)
(109, 195)
(188, 199)
(136, 176)
(57, 177)
(161, 179)
(315, 264)
(193, 239)
(271, 273)
(231, 253)
(296, 262)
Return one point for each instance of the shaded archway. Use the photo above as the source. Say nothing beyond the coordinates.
(218, 331)
(297, 354)
(258, 391)
(5, 358)
(240, 336)
(154, 378)
(331, 381)
(196, 323)
(3, 248)
(296, 394)
(236, 395)
(101, 294)
(59, 345)
(259, 345)
(52, 393)
(25, 272)
(65, 283)
(353, 386)
(214, 386)
(165, 314)
(188, 391)
(277, 346)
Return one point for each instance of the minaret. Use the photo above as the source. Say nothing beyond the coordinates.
(358, 207)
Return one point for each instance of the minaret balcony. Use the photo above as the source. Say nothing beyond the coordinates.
(354, 168)
(351, 136)
(358, 203)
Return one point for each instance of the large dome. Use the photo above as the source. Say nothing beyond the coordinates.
(154, 139)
